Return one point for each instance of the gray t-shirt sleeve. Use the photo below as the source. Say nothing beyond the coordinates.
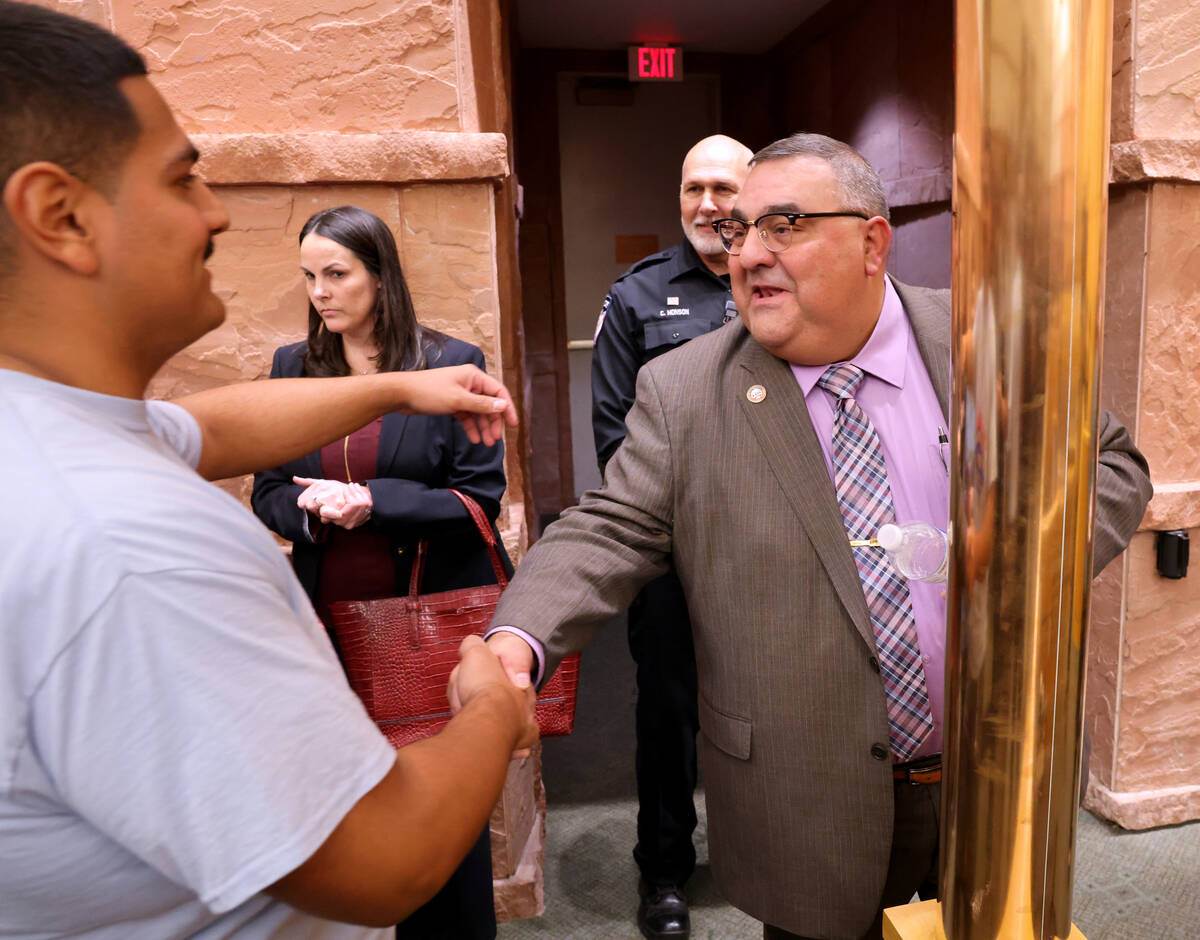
(197, 725)
(178, 428)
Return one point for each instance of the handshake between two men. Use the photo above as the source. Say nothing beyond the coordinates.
(514, 656)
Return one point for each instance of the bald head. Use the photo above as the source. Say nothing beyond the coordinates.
(713, 173)
(718, 150)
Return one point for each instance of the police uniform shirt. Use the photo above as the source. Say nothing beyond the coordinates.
(658, 304)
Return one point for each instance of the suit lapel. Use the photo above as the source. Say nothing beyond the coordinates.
(930, 318)
(390, 436)
(784, 430)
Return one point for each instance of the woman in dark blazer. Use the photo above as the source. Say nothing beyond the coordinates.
(355, 510)
(420, 458)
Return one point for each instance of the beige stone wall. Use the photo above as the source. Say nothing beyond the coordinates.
(1144, 667)
(344, 66)
(340, 65)
(1166, 69)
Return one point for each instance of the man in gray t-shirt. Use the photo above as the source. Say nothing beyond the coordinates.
(180, 754)
(166, 760)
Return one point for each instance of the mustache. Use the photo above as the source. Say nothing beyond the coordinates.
(209, 249)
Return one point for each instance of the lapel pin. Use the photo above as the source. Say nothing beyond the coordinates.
(755, 394)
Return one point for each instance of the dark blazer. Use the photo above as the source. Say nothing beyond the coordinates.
(420, 459)
(792, 707)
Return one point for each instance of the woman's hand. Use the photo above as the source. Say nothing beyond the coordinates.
(320, 496)
(345, 504)
(355, 508)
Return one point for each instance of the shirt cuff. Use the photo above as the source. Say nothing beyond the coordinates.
(539, 651)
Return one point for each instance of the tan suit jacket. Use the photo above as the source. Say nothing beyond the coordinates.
(794, 734)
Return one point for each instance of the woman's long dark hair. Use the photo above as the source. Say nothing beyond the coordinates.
(404, 345)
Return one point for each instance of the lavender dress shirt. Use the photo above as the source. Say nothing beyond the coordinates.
(900, 401)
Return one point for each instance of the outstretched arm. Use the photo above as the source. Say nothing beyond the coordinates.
(257, 425)
(422, 504)
(402, 840)
(587, 567)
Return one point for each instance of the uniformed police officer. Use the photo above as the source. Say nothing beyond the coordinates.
(658, 304)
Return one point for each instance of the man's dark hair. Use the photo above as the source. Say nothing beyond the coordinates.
(861, 187)
(59, 99)
(403, 343)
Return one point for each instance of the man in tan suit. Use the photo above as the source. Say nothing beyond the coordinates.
(817, 817)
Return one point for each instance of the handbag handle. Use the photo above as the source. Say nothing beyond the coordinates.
(485, 532)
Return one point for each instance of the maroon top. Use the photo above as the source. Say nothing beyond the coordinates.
(357, 564)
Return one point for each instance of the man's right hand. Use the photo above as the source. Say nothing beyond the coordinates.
(515, 655)
(480, 673)
(480, 403)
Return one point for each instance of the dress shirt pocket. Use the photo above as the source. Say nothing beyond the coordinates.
(672, 331)
(728, 732)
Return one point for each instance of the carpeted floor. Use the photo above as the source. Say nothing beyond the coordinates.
(1128, 885)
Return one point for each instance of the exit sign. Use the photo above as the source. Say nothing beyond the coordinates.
(655, 62)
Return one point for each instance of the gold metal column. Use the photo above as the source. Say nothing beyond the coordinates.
(1030, 201)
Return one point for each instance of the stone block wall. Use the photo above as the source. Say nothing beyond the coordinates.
(1143, 691)
(397, 106)
(340, 65)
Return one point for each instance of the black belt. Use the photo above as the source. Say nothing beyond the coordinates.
(922, 770)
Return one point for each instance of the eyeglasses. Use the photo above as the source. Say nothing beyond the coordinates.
(775, 228)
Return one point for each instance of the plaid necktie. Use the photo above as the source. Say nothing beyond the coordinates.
(861, 481)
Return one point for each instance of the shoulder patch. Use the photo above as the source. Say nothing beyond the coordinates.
(600, 319)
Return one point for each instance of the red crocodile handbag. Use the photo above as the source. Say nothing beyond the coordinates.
(399, 651)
